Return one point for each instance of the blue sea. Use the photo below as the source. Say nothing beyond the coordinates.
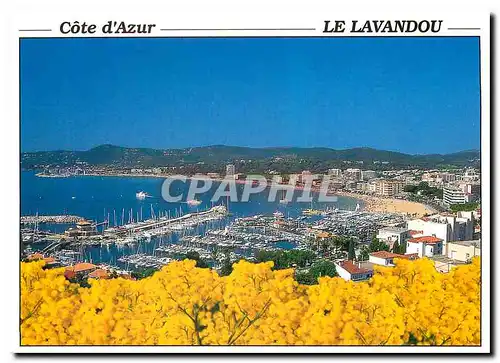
(114, 198)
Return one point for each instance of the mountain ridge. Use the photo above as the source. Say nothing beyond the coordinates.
(109, 154)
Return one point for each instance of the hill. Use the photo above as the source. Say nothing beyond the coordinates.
(217, 155)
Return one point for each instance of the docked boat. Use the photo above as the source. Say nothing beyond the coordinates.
(278, 214)
(193, 202)
(311, 212)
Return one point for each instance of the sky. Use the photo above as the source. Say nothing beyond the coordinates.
(413, 95)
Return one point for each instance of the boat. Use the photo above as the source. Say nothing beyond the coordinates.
(278, 214)
(311, 212)
(141, 195)
(284, 201)
(193, 202)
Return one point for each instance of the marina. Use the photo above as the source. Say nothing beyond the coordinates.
(124, 225)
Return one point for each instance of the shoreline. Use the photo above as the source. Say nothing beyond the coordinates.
(369, 203)
(377, 204)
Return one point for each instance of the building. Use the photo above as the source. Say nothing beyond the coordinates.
(335, 172)
(447, 226)
(389, 235)
(461, 194)
(472, 190)
(230, 170)
(353, 174)
(454, 195)
(389, 188)
(79, 270)
(99, 274)
(354, 271)
(446, 178)
(306, 177)
(368, 174)
(83, 229)
(425, 246)
(385, 258)
(463, 251)
(471, 175)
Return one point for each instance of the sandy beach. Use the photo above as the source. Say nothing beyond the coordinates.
(390, 205)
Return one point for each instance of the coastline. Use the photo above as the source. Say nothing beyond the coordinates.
(378, 204)
(369, 203)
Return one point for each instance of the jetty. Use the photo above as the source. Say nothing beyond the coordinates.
(165, 225)
(60, 219)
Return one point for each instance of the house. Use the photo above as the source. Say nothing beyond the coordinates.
(99, 274)
(463, 251)
(79, 270)
(425, 246)
(351, 271)
(385, 258)
(389, 235)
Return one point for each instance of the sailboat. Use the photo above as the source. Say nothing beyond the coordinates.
(193, 202)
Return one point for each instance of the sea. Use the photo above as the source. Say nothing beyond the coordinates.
(113, 199)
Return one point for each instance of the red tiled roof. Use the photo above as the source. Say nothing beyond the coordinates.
(79, 267)
(425, 239)
(35, 256)
(384, 254)
(99, 274)
(412, 232)
(352, 268)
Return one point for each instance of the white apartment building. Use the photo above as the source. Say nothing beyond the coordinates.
(462, 193)
(353, 174)
(368, 174)
(454, 195)
(335, 172)
(447, 227)
(389, 235)
(389, 188)
(230, 170)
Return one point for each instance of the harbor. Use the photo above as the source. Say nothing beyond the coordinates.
(123, 224)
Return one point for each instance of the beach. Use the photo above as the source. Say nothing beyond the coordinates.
(390, 205)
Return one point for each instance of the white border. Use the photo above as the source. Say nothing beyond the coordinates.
(204, 15)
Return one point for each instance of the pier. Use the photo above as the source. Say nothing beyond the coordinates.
(165, 225)
(61, 219)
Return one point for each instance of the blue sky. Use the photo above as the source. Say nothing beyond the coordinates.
(414, 95)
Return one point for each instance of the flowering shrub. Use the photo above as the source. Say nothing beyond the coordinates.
(410, 303)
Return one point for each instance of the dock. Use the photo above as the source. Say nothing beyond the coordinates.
(60, 219)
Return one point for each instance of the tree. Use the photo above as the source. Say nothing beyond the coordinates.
(351, 255)
(226, 268)
(317, 270)
(195, 256)
(377, 245)
(399, 248)
(323, 268)
(364, 254)
(138, 275)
